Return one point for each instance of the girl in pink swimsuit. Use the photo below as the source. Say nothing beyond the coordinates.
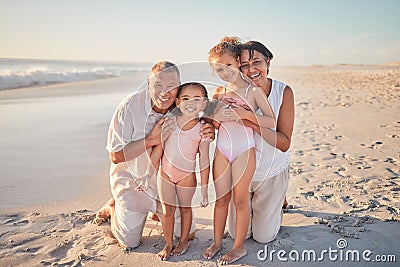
(235, 159)
(178, 178)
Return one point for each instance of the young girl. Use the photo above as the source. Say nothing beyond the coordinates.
(235, 160)
(178, 163)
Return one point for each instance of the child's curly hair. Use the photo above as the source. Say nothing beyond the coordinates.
(231, 45)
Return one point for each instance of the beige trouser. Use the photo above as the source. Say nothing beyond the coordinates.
(130, 214)
(265, 208)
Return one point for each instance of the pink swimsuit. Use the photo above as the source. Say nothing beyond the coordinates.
(180, 151)
(234, 138)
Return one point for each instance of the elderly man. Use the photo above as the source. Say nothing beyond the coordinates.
(136, 127)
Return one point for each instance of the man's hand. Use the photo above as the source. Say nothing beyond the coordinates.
(207, 131)
(161, 130)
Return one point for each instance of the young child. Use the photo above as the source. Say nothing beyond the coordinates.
(178, 163)
(235, 159)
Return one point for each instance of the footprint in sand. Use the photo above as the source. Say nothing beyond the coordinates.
(339, 137)
(60, 250)
(311, 237)
(13, 219)
(332, 156)
(376, 145)
(284, 244)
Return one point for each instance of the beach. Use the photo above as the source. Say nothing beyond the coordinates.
(343, 192)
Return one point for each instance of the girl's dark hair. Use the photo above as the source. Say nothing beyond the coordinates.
(209, 109)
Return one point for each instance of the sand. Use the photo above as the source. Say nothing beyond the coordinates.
(343, 192)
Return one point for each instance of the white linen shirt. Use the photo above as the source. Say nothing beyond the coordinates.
(132, 120)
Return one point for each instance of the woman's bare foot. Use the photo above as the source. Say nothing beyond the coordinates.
(104, 213)
(285, 204)
(180, 248)
(165, 252)
(155, 217)
(210, 252)
(232, 256)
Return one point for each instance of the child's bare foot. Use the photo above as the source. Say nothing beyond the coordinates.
(165, 253)
(232, 256)
(104, 213)
(191, 236)
(180, 248)
(210, 252)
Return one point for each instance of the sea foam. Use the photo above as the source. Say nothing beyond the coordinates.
(16, 73)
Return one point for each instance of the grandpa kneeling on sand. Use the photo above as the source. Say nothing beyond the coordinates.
(138, 124)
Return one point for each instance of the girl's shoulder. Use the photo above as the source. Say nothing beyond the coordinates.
(218, 92)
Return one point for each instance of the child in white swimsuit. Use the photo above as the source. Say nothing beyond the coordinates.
(178, 178)
(235, 159)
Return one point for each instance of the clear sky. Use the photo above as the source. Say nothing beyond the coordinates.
(298, 32)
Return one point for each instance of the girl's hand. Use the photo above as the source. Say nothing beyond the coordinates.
(204, 196)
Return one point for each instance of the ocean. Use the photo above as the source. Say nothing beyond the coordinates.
(16, 73)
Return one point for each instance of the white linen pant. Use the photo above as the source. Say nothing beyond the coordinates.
(266, 200)
(130, 214)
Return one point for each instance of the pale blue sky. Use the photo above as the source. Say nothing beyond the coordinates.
(302, 32)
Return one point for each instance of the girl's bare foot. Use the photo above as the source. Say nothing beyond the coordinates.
(210, 252)
(165, 253)
(180, 248)
(232, 256)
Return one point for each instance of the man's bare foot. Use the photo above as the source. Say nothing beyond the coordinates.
(232, 256)
(285, 204)
(210, 252)
(104, 213)
(180, 248)
(165, 253)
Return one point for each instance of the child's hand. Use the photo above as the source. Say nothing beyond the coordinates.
(204, 203)
(142, 183)
(204, 196)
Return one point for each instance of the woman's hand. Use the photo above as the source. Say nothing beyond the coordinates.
(242, 112)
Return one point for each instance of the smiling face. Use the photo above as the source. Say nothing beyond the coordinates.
(227, 67)
(256, 67)
(191, 101)
(163, 87)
